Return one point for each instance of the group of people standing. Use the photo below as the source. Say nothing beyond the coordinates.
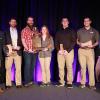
(34, 43)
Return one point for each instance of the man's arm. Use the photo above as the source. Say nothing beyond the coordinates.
(23, 40)
(96, 40)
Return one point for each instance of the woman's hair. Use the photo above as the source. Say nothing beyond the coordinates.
(47, 33)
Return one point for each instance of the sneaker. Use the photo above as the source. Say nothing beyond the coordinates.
(82, 86)
(92, 87)
(43, 85)
(69, 86)
(28, 84)
(48, 84)
(60, 85)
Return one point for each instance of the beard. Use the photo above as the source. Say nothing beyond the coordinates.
(30, 26)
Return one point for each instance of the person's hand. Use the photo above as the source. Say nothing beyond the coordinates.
(31, 51)
(45, 49)
(65, 52)
(26, 48)
(61, 52)
(90, 46)
(82, 45)
(9, 53)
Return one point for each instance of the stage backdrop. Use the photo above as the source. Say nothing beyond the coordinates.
(50, 12)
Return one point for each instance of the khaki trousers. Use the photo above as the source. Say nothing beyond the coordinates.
(86, 59)
(68, 59)
(8, 64)
(45, 67)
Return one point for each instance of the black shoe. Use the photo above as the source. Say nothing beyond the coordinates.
(8, 87)
(92, 87)
(69, 86)
(43, 85)
(19, 86)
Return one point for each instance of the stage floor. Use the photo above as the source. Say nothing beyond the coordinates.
(51, 93)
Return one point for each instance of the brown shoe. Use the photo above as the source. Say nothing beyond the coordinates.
(1, 90)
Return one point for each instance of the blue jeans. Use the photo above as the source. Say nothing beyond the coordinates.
(29, 65)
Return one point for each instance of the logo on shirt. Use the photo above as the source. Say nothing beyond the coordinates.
(91, 32)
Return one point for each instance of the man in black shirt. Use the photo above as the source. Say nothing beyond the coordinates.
(65, 41)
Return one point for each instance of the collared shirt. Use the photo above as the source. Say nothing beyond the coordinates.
(27, 35)
(84, 35)
(14, 36)
(67, 37)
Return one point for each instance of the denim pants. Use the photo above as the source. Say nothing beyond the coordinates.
(29, 65)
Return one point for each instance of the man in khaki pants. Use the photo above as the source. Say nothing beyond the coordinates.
(87, 39)
(65, 41)
(13, 54)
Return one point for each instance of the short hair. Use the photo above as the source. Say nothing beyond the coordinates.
(87, 18)
(65, 18)
(12, 19)
(30, 17)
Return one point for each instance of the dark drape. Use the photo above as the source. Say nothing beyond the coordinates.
(49, 12)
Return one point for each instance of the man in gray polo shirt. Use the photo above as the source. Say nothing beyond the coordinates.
(87, 39)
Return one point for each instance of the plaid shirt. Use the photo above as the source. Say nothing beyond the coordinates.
(27, 35)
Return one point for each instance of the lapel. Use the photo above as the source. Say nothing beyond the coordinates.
(10, 35)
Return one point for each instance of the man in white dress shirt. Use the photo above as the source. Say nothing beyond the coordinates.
(13, 43)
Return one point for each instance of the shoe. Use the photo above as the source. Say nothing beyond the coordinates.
(43, 85)
(28, 84)
(60, 85)
(82, 86)
(69, 86)
(19, 86)
(48, 84)
(8, 87)
(92, 87)
(1, 91)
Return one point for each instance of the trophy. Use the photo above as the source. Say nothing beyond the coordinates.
(36, 41)
(86, 44)
(9, 51)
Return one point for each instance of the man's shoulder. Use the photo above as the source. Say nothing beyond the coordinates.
(94, 30)
(25, 29)
(80, 29)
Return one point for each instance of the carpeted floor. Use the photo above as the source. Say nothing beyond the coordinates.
(51, 93)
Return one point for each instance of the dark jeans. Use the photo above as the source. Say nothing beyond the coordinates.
(2, 71)
(29, 65)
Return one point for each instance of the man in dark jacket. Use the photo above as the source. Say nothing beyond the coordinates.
(13, 43)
